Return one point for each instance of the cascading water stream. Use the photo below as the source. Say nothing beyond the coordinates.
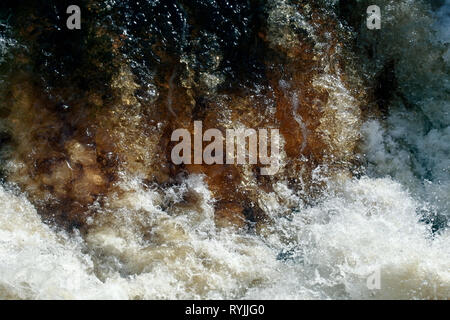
(90, 207)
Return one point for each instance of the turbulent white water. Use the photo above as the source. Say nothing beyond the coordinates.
(376, 224)
(327, 251)
(412, 146)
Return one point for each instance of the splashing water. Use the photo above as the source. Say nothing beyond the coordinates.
(149, 243)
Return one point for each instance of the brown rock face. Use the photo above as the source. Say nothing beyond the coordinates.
(72, 145)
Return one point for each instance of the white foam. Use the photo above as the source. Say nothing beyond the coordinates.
(332, 248)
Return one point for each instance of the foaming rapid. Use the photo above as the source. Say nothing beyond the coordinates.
(392, 221)
(412, 144)
(327, 251)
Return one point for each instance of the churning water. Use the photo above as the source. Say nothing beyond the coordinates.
(389, 220)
